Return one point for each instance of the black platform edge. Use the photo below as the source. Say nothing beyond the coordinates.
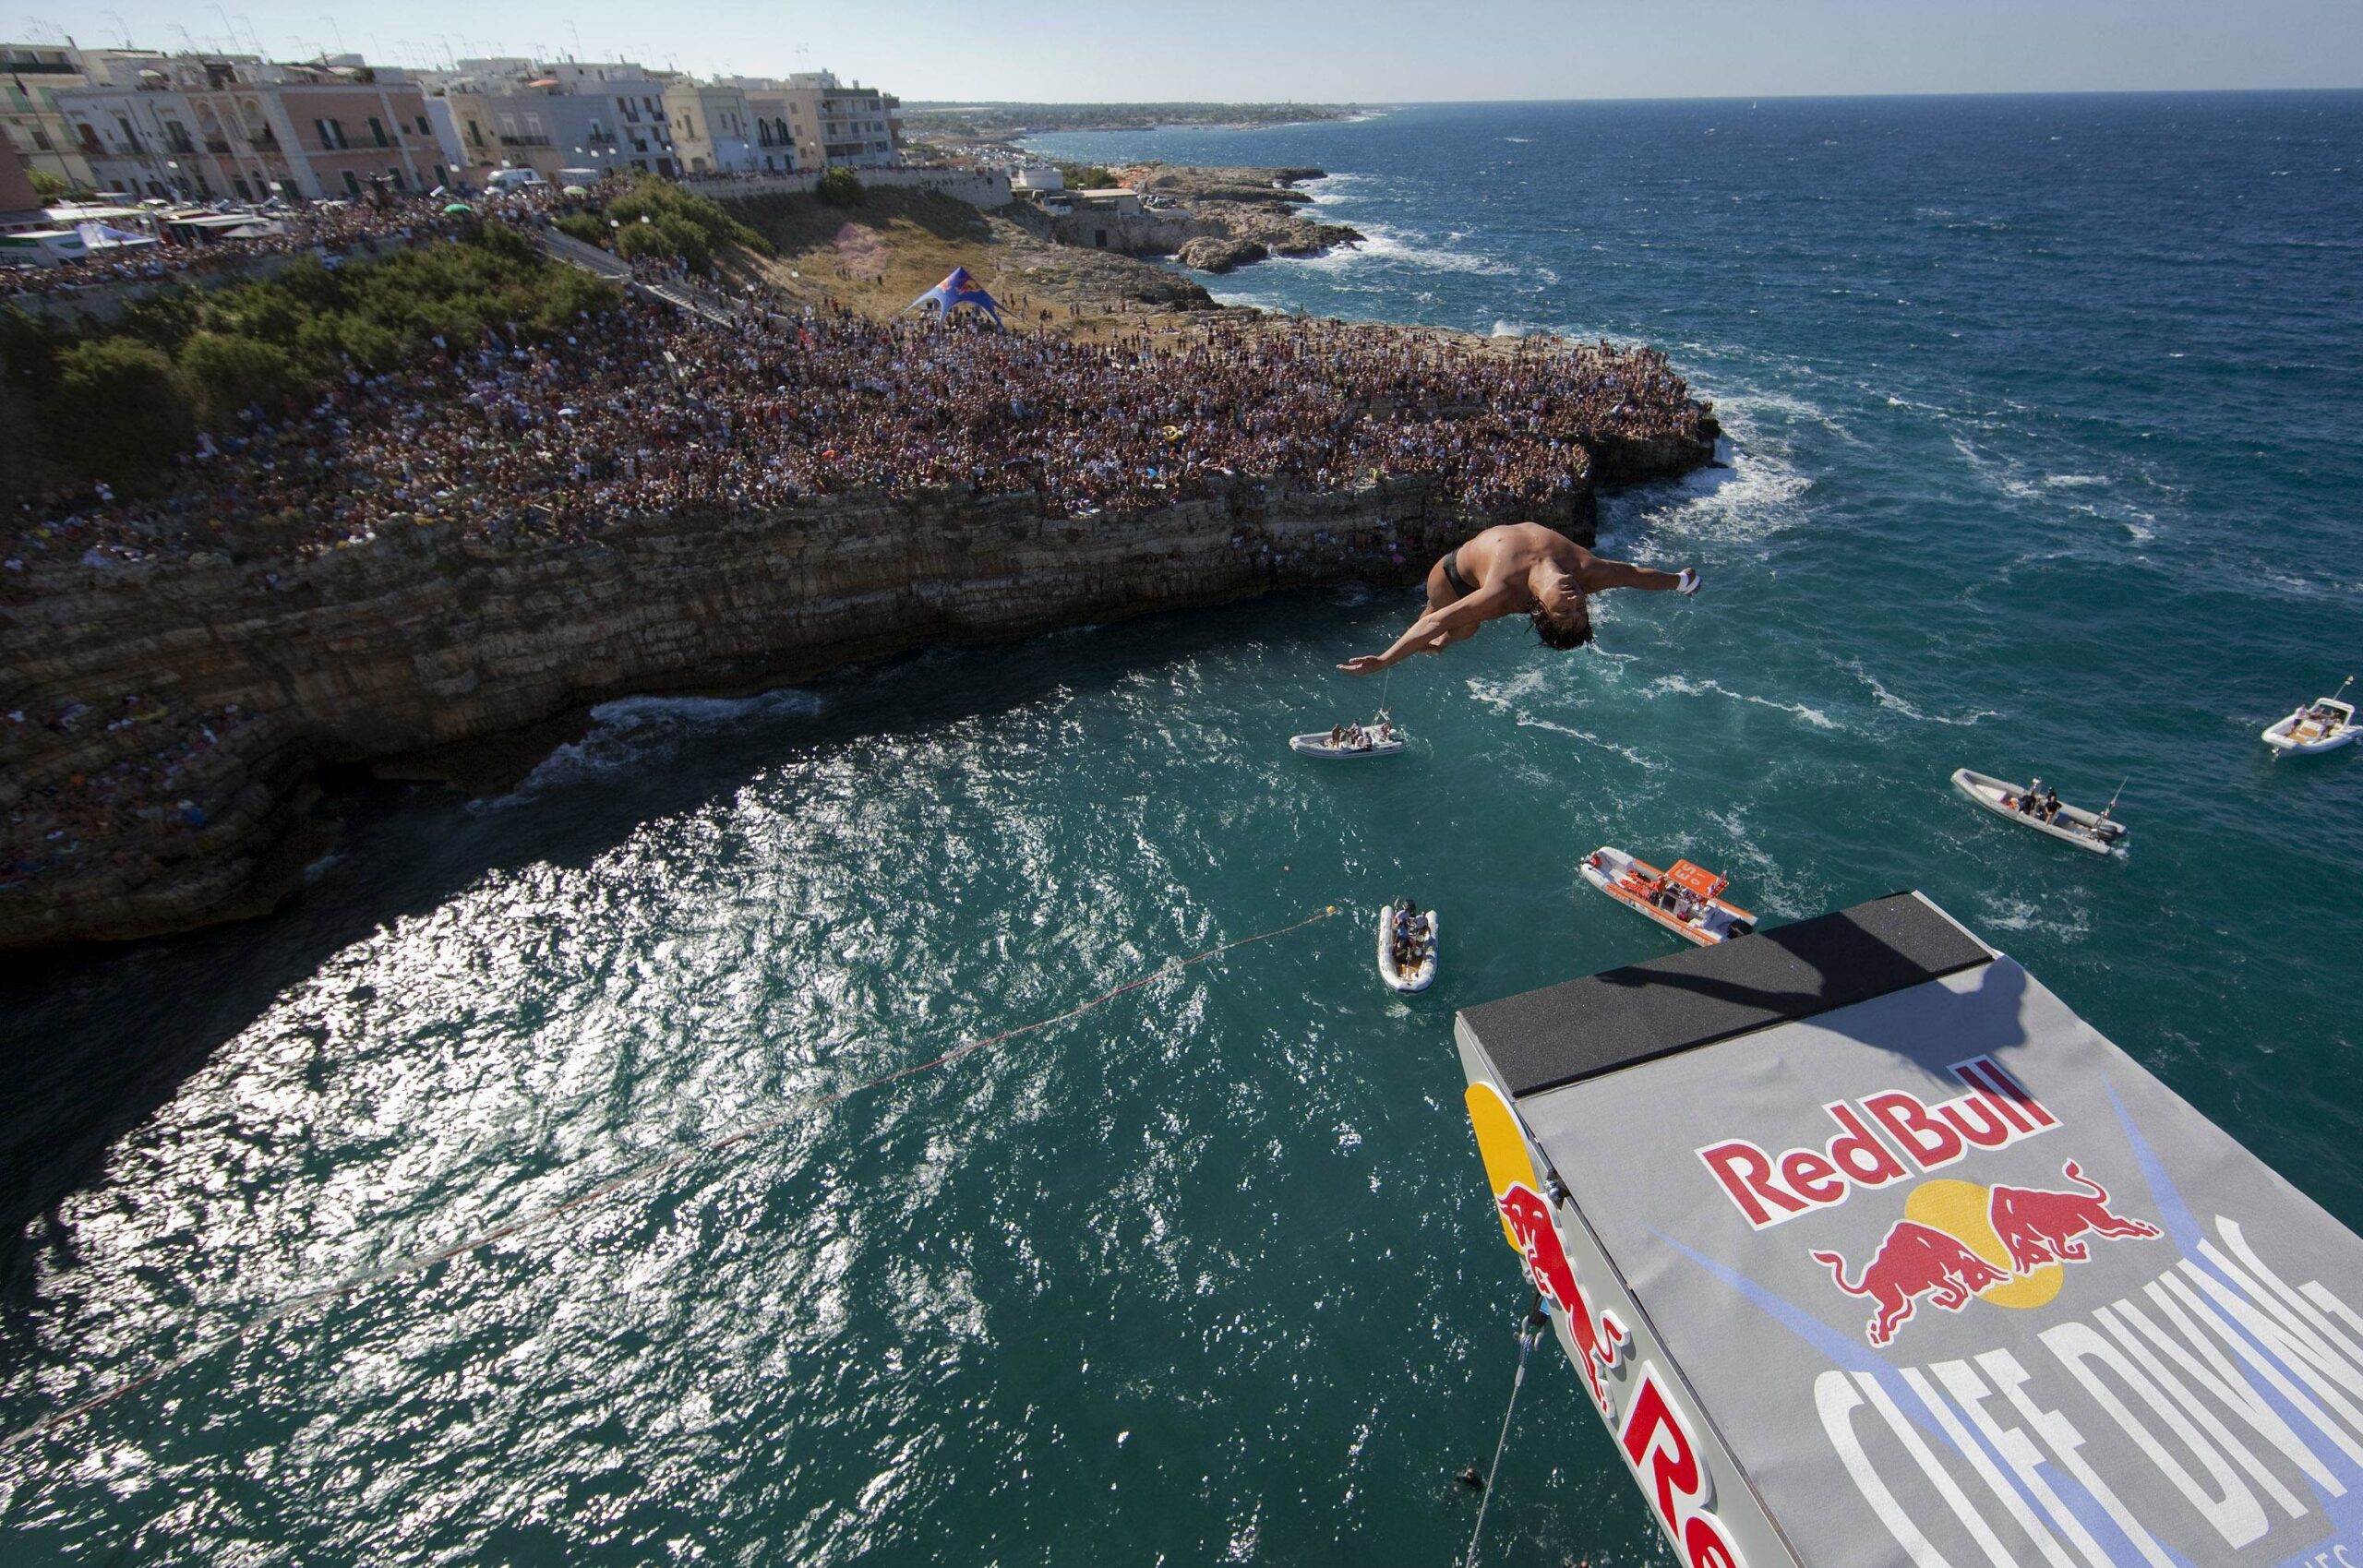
(1564, 1033)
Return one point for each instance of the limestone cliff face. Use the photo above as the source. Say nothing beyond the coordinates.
(240, 682)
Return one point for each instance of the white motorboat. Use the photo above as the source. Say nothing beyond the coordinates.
(2095, 830)
(2324, 724)
(1421, 977)
(1686, 900)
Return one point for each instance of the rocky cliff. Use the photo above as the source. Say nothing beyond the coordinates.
(164, 724)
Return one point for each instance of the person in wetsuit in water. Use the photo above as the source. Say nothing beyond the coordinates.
(1517, 569)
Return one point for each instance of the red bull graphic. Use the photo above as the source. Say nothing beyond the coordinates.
(2039, 1227)
(1599, 1339)
(1961, 1242)
(1914, 1260)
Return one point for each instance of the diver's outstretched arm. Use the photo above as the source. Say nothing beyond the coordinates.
(1438, 628)
(1600, 573)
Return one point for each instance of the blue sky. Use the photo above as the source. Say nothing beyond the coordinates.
(1368, 50)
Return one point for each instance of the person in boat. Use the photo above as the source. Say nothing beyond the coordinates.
(2028, 802)
(1519, 569)
(2051, 805)
(1386, 731)
(1337, 736)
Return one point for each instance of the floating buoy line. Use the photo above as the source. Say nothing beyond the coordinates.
(421, 1261)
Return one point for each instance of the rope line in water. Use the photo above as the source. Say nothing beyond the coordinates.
(1526, 1334)
(420, 1262)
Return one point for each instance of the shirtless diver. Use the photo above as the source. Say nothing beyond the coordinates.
(1519, 569)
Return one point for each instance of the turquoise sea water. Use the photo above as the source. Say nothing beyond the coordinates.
(2040, 461)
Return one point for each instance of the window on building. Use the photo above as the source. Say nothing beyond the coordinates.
(377, 132)
(352, 183)
(240, 182)
(476, 134)
(396, 176)
(422, 126)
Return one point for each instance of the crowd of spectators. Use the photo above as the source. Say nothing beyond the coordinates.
(136, 803)
(647, 412)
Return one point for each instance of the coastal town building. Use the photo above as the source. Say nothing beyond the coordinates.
(194, 126)
(31, 75)
(714, 128)
(19, 208)
(823, 123)
(551, 115)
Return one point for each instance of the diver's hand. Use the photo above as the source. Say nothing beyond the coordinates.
(1686, 582)
(1366, 665)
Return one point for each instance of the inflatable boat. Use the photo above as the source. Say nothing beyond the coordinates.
(2085, 829)
(1419, 979)
(1368, 746)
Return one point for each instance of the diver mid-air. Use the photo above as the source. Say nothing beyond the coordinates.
(1519, 569)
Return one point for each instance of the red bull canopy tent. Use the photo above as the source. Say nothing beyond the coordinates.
(956, 290)
(1871, 1253)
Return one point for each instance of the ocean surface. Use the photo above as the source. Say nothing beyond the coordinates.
(2040, 460)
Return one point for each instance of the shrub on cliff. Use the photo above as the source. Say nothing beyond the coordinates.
(582, 226)
(120, 408)
(839, 187)
(116, 400)
(658, 201)
(227, 373)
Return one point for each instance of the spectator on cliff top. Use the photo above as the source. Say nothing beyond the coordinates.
(643, 413)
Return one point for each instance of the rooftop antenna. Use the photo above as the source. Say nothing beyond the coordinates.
(120, 31)
(335, 31)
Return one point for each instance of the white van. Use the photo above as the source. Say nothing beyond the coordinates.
(511, 179)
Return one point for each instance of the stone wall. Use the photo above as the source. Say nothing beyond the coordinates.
(977, 187)
(422, 638)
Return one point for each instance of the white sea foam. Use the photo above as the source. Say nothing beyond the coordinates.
(1683, 686)
(1750, 495)
(1895, 704)
(2074, 481)
(632, 732)
(1510, 697)
(1383, 242)
(1512, 329)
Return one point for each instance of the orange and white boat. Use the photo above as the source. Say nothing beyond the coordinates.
(1686, 900)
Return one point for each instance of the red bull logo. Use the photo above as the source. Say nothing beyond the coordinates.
(1959, 1242)
(1599, 1339)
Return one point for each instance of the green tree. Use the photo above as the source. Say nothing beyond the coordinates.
(584, 227)
(120, 408)
(227, 373)
(839, 187)
(46, 185)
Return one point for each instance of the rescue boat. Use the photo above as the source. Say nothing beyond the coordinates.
(1686, 900)
(2324, 724)
(1425, 975)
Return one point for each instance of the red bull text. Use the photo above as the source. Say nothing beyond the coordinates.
(1770, 1189)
